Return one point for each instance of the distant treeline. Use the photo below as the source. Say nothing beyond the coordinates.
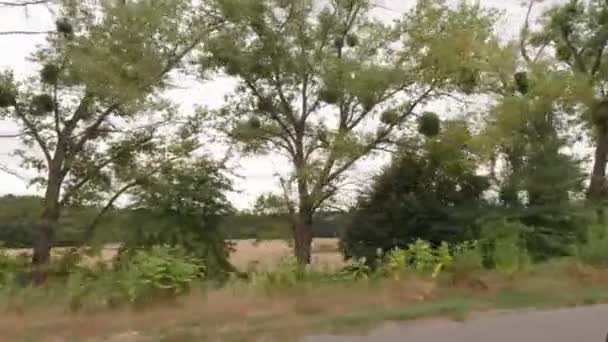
(18, 215)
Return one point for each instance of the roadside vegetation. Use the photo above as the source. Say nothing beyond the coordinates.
(164, 293)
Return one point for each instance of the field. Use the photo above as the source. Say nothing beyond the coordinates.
(263, 255)
(266, 254)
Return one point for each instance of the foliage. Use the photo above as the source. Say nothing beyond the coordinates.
(431, 191)
(467, 258)
(546, 232)
(156, 272)
(183, 206)
(510, 256)
(287, 274)
(19, 216)
(356, 270)
(312, 80)
(419, 257)
(11, 268)
(505, 245)
(576, 34)
(529, 133)
(270, 204)
(144, 277)
(245, 225)
(90, 122)
(594, 251)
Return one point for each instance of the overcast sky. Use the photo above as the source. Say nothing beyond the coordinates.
(256, 175)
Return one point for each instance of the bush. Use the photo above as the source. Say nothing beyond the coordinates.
(157, 272)
(510, 256)
(14, 270)
(287, 274)
(357, 270)
(183, 206)
(8, 269)
(467, 258)
(143, 277)
(595, 249)
(419, 257)
(546, 232)
(430, 191)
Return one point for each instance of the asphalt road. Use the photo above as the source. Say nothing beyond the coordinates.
(588, 324)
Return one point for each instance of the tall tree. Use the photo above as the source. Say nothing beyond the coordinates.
(577, 35)
(430, 191)
(95, 110)
(326, 85)
(529, 130)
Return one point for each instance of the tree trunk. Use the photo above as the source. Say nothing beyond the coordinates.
(597, 185)
(303, 238)
(43, 243)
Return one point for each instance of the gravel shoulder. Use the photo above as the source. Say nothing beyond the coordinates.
(584, 324)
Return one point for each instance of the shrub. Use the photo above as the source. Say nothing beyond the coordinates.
(11, 268)
(419, 257)
(430, 191)
(546, 232)
(7, 269)
(183, 206)
(68, 263)
(287, 273)
(467, 258)
(505, 245)
(594, 251)
(357, 270)
(510, 255)
(157, 272)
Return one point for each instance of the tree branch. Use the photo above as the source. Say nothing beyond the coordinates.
(524, 34)
(11, 136)
(598, 59)
(577, 57)
(7, 33)
(92, 129)
(34, 133)
(56, 111)
(24, 3)
(72, 190)
(5, 169)
(328, 176)
(90, 229)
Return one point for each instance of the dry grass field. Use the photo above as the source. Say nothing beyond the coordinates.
(263, 255)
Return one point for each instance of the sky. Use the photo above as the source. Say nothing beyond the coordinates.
(254, 176)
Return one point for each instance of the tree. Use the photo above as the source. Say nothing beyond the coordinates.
(430, 191)
(326, 87)
(529, 129)
(577, 34)
(183, 205)
(95, 113)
